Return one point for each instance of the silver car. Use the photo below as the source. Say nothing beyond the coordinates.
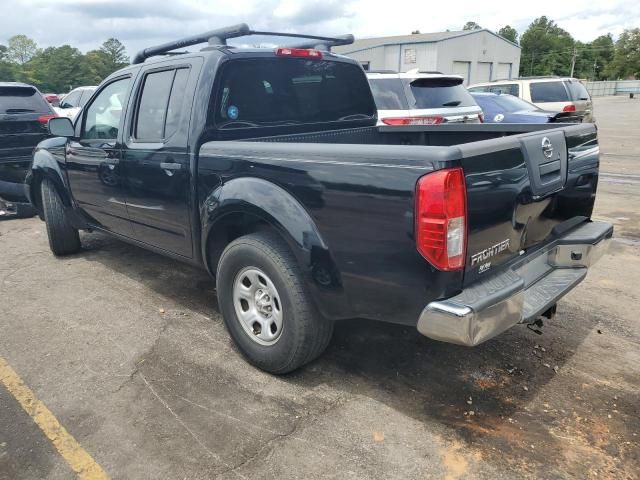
(421, 98)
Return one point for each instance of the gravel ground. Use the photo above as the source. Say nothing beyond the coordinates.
(127, 350)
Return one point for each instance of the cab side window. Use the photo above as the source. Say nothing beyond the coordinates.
(102, 118)
(160, 105)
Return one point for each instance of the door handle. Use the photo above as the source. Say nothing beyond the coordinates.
(170, 166)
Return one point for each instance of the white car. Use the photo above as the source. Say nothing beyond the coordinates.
(72, 102)
(422, 98)
(556, 94)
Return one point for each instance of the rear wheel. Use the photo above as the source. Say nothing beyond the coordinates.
(63, 237)
(266, 305)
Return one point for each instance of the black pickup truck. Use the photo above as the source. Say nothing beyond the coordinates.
(265, 166)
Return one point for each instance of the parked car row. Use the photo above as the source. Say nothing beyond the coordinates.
(431, 98)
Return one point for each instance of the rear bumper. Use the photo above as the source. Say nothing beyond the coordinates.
(520, 294)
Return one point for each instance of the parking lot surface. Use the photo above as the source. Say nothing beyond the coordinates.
(128, 352)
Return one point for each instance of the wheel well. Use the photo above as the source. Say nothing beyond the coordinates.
(36, 192)
(227, 229)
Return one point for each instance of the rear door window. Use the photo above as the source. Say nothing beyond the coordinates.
(22, 99)
(290, 91)
(160, 104)
(548, 92)
(439, 93)
(389, 94)
(577, 90)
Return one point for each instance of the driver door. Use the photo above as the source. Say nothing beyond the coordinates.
(93, 159)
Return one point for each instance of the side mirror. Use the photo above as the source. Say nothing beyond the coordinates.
(61, 127)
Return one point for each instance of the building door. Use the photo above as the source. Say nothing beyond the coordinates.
(504, 71)
(484, 72)
(463, 69)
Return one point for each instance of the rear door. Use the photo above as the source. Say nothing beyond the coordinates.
(156, 158)
(23, 124)
(524, 189)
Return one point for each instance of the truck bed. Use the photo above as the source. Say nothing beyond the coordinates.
(358, 185)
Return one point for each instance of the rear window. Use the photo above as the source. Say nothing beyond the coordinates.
(548, 92)
(290, 91)
(22, 100)
(507, 88)
(577, 90)
(509, 103)
(388, 94)
(440, 93)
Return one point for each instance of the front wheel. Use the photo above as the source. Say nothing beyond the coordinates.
(266, 306)
(63, 236)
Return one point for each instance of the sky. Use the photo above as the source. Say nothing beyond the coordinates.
(85, 24)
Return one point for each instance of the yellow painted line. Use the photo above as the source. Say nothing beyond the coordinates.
(77, 457)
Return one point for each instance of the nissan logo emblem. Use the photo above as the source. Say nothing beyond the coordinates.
(547, 148)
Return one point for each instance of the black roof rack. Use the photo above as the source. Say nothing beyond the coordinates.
(220, 36)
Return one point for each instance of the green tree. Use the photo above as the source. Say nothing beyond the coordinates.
(471, 26)
(593, 58)
(547, 49)
(56, 69)
(21, 49)
(626, 59)
(509, 33)
(115, 53)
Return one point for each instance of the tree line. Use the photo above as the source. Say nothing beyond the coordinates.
(59, 69)
(547, 49)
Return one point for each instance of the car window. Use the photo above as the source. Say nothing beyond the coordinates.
(102, 117)
(176, 100)
(73, 99)
(507, 88)
(289, 91)
(548, 92)
(439, 93)
(86, 95)
(389, 94)
(153, 105)
(161, 104)
(22, 99)
(479, 89)
(577, 90)
(509, 103)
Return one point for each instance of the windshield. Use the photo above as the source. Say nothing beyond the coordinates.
(291, 91)
(440, 93)
(19, 99)
(577, 90)
(389, 94)
(507, 103)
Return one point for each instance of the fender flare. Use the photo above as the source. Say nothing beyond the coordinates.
(46, 164)
(276, 207)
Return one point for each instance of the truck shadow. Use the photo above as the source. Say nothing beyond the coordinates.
(484, 393)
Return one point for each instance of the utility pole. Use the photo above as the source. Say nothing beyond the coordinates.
(573, 60)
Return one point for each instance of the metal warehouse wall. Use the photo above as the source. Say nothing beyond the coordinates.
(613, 87)
(485, 53)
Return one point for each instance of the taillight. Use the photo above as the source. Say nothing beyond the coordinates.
(441, 218)
(299, 52)
(434, 120)
(569, 108)
(481, 117)
(44, 119)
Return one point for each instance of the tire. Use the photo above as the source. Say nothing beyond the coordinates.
(303, 333)
(63, 237)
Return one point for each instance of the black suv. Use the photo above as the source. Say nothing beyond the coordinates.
(24, 114)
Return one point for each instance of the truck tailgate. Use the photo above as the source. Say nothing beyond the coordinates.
(525, 190)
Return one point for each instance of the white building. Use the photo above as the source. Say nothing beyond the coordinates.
(476, 55)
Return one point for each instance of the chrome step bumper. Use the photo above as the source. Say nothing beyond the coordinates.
(520, 294)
